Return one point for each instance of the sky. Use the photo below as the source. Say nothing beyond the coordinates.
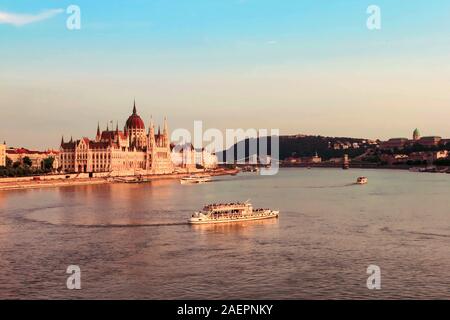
(300, 66)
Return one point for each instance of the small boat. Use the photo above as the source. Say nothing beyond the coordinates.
(361, 180)
(230, 212)
(250, 169)
(138, 179)
(195, 179)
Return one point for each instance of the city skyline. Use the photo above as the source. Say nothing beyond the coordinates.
(308, 67)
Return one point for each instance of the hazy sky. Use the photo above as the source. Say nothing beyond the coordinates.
(303, 66)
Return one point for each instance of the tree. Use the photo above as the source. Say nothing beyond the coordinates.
(48, 163)
(27, 161)
(9, 162)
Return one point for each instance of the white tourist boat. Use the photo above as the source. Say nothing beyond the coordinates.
(231, 212)
(362, 180)
(195, 179)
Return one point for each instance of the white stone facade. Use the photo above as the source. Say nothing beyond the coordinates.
(132, 151)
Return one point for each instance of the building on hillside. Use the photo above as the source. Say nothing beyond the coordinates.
(128, 152)
(429, 141)
(400, 143)
(391, 159)
(314, 159)
(428, 156)
(394, 143)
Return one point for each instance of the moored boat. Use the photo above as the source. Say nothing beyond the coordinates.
(362, 180)
(195, 179)
(231, 212)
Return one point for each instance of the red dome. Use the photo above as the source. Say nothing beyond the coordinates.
(134, 121)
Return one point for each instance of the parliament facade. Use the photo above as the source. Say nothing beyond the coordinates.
(131, 151)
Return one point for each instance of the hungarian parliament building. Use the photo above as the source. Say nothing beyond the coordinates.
(131, 151)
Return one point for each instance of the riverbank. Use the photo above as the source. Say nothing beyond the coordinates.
(359, 166)
(20, 184)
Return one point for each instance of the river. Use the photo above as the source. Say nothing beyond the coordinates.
(132, 240)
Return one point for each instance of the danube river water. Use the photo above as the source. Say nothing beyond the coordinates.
(132, 240)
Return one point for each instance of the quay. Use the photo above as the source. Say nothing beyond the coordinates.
(69, 180)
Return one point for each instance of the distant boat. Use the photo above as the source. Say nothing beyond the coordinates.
(195, 179)
(345, 162)
(250, 169)
(362, 180)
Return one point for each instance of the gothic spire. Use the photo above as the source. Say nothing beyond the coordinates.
(134, 107)
(98, 129)
(165, 131)
(150, 127)
(62, 140)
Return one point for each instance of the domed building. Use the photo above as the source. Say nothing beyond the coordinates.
(135, 128)
(128, 152)
(416, 135)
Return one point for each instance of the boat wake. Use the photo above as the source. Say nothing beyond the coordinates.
(163, 224)
(34, 216)
(105, 225)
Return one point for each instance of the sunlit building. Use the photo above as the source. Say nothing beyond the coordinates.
(131, 151)
(17, 155)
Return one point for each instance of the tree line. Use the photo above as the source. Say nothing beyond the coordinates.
(24, 168)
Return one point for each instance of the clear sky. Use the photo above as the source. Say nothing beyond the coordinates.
(303, 66)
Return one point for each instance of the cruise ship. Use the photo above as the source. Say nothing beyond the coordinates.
(231, 212)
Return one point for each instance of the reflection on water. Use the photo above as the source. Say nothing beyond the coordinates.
(241, 226)
(133, 240)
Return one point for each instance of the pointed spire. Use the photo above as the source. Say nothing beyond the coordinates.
(98, 128)
(107, 126)
(159, 130)
(165, 125)
(117, 127)
(62, 140)
(71, 139)
(151, 125)
(166, 133)
(134, 107)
